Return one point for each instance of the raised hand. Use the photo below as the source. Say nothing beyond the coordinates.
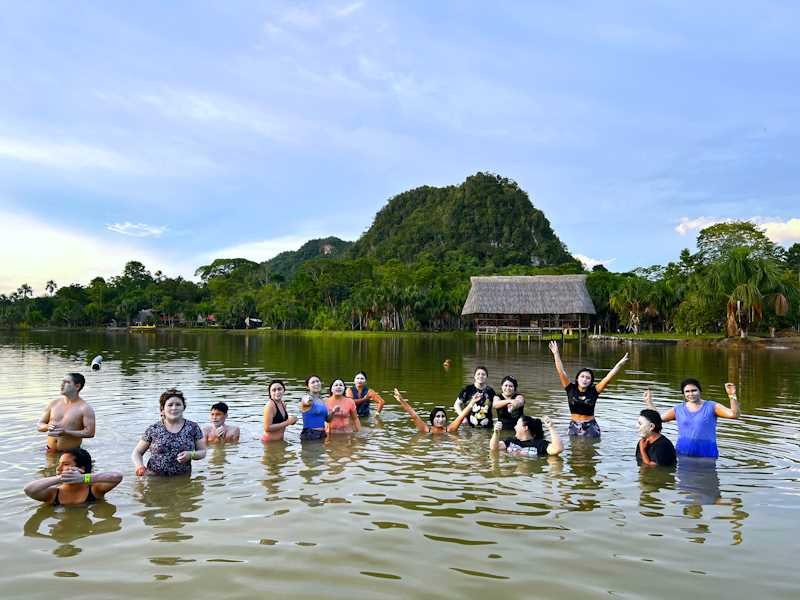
(624, 359)
(498, 426)
(547, 422)
(554, 348)
(71, 475)
(648, 397)
(397, 395)
(730, 389)
(475, 398)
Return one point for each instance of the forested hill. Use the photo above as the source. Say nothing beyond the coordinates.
(285, 265)
(487, 217)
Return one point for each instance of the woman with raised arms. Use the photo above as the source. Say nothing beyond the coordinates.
(276, 417)
(510, 405)
(438, 417)
(174, 442)
(582, 394)
(697, 419)
(528, 438)
(74, 482)
(362, 395)
(344, 416)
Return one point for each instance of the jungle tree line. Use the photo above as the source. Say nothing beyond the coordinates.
(738, 282)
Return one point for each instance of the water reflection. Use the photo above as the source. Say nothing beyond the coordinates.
(652, 481)
(72, 523)
(276, 459)
(581, 493)
(166, 501)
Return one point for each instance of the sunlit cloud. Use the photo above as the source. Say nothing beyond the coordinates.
(137, 229)
(688, 225)
(349, 9)
(588, 262)
(42, 251)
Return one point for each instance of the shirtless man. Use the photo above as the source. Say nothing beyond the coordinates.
(68, 419)
(217, 431)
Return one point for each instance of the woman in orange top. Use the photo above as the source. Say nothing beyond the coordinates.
(344, 417)
(362, 395)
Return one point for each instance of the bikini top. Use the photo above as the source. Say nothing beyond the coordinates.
(89, 498)
(279, 417)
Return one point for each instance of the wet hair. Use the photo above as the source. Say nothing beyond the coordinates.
(171, 393)
(361, 373)
(309, 378)
(534, 427)
(83, 460)
(511, 379)
(652, 416)
(220, 406)
(585, 370)
(690, 381)
(435, 411)
(480, 368)
(280, 383)
(330, 387)
(78, 379)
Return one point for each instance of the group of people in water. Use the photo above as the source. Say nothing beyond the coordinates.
(174, 442)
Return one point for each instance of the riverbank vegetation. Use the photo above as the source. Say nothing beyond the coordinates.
(410, 272)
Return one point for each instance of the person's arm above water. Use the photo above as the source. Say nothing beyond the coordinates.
(102, 483)
(88, 425)
(611, 374)
(725, 412)
(44, 489)
(137, 456)
(421, 425)
(269, 417)
(379, 402)
(453, 427)
(555, 446)
(562, 374)
(44, 422)
(233, 434)
(354, 417)
(648, 402)
(495, 444)
(498, 402)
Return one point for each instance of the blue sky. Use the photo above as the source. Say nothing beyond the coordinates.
(174, 133)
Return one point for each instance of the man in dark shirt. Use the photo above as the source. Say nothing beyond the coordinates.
(653, 448)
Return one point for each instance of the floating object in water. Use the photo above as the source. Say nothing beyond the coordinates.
(97, 362)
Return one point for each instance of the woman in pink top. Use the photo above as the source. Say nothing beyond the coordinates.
(344, 417)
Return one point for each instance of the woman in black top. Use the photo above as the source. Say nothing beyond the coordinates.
(653, 448)
(510, 405)
(74, 482)
(582, 394)
(481, 415)
(528, 436)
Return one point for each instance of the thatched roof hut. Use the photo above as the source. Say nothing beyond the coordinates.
(541, 301)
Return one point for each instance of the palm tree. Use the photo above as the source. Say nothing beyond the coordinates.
(25, 290)
(748, 284)
(631, 300)
(51, 287)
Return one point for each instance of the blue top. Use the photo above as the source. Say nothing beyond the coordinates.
(697, 431)
(316, 415)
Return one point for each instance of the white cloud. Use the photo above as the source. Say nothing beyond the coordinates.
(33, 252)
(588, 262)
(780, 232)
(687, 225)
(137, 229)
(65, 156)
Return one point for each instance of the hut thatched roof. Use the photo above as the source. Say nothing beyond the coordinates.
(529, 295)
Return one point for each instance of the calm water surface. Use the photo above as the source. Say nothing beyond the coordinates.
(391, 513)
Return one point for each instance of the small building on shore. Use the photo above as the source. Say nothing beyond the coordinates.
(529, 305)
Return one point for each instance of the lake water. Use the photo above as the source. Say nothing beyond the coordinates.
(391, 513)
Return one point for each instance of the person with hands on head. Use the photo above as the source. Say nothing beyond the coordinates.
(74, 482)
(481, 415)
(362, 395)
(438, 417)
(582, 394)
(218, 430)
(174, 442)
(68, 419)
(342, 410)
(697, 418)
(653, 448)
(315, 413)
(509, 408)
(528, 438)
(276, 417)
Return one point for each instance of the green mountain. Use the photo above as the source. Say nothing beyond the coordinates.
(487, 217)
(285, 264)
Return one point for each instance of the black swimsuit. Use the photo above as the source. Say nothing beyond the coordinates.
(89, 498)
(279, 418)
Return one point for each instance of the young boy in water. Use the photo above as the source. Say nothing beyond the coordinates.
(217, 430)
